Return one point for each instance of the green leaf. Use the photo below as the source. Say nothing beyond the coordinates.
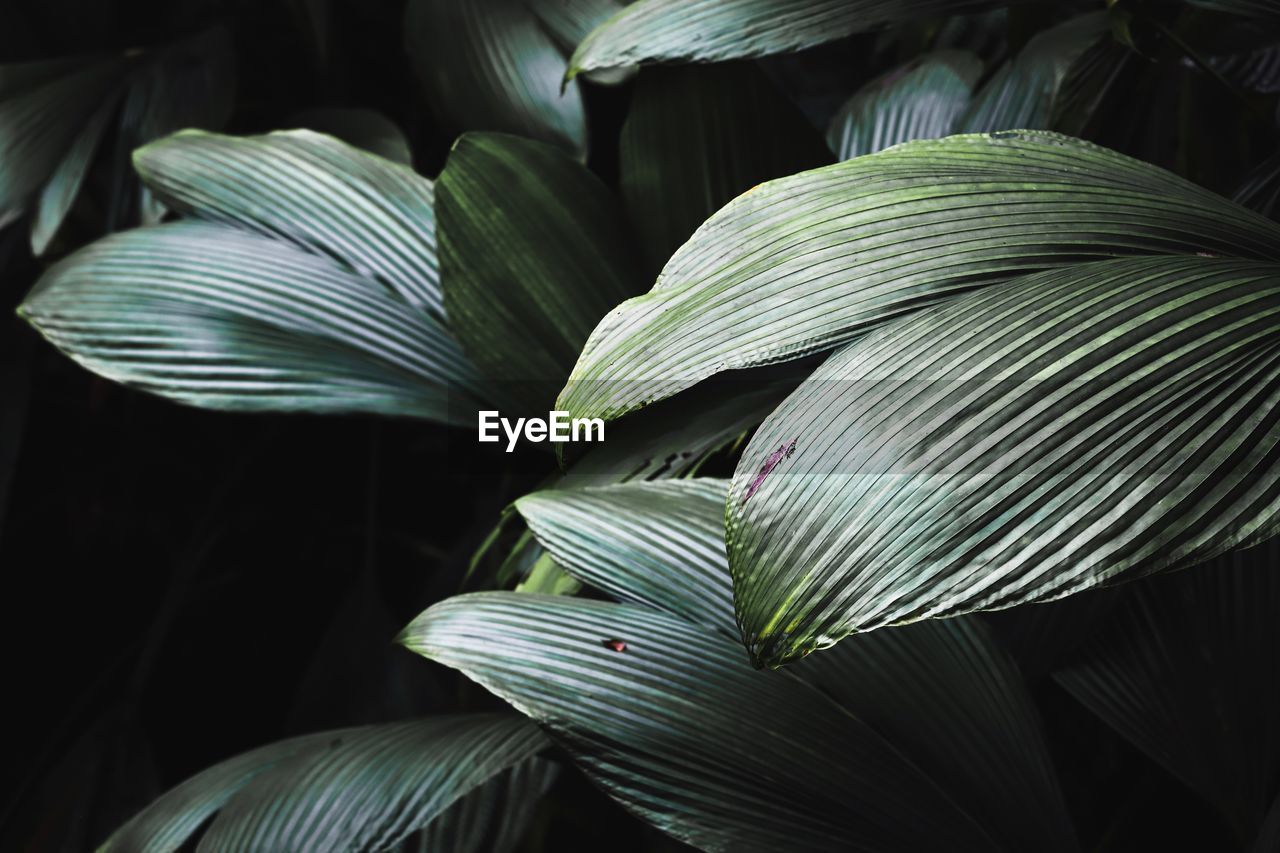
(369, 130)
(533, 252)
(1186, 670)
(921, 100)
(809, 262)
(44, 109)
(212, 316)
(494, 817)
(364, 788)
(650, 31)
(1021, 93)
(1260, 190)
(661, 725)
(1089, 81)
(1066, 430)
(569, 21)
(658, 544)
(492, 66)
(697, 136)
(662, 545)
(373, 217)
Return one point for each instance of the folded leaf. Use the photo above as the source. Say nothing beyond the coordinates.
(1021, 93)
(371, 215)
(671, 721)
(697, 136)
(211, 316)
(715, 30)
(533, 252)
(1062, 431)
(659, 544)
(494, 817)
(492, 66)
(662, 545)
(365, 788)
(1188, 670)
(922, 100)
(808, 262)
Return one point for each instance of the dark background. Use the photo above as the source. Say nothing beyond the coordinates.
(181, 585)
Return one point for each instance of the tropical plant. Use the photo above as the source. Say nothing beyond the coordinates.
(942, 478)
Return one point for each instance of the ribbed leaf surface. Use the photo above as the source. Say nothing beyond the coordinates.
(1021, 93)
(680, 729)
(922, 100)
(493, 66)
(372, 787)
(1066, 430)
(715, 30)
(493, 817)
(373, 216)
(659, 544)
(533, 251)
(808, 262)
(662, 544)
(212, 316)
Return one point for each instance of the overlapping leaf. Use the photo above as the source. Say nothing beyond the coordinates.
(650, 31)
(493, 66)
(217, 317)
(661, 545)
(808, 262)
(1062, 431)
(373, 216)
(922, 100)
(366, 129)
(695, 137)
(365, 788)
(1022, 92)
(533, 252)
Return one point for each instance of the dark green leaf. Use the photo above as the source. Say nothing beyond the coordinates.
(492, 66)
(366, 129)
(1062, 431)
(212, 316)
(533, 252)
(715, 30)
(922, 100)
(808, 262)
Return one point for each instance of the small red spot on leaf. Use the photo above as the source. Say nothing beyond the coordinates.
(616, 645)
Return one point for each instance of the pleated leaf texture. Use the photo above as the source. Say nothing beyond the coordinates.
(1070, 429)
(909, 739)
(669, 31)
(811, 261)
(354, 789)
(305, 278)
(922, 100)
(499, 65)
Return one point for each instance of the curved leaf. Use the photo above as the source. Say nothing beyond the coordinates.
(662, 545)
(1066, 430)
(493, 817)
(211, 316)
(808, 262)
(363, 788)
(695, 137)
(922, 100)
(1260, 189)
(372, 216)
(1021, 93)
(1188, 670)
(715, 30)
(533, 252)
(659, 544)
(492, 66)
(661, 725)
